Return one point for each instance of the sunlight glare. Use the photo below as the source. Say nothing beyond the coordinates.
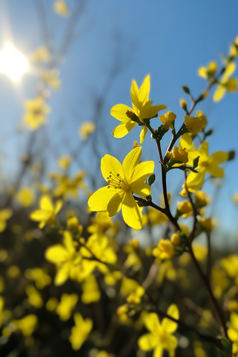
(12, 63)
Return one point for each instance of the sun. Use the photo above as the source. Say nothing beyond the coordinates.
(12, 63)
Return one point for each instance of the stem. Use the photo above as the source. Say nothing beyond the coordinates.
(209, 292)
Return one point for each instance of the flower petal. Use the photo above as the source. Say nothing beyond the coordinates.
(114, 205)
(147, 342)
(123, 129)
(216, 171)
(131, 212)
(119, 112)
(135, 95)
(158, 352)
(39, 215)
(169, 325)
(56, 254)
(111, 166)
(152, 322)
(62, 274)
(145, 90)
(219, 93)
(68, 242)
(142, 171)
(143, 133)
(131, 160)
(46, 203)
(219, 157)
(100, 199)
(141, 189)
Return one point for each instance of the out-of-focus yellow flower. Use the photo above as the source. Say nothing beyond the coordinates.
(3, 255)
(164, 249)
(34, 297)
(233, 332)
(61, 8)
(142, 109)
(86, 129)
(66, 306)
(220, 282)
(47, 212)
(168, 119)
(25, 196)
(230, 265)
(5, 214)
(226, 84)
(40, 277)
(68, 186)
(100, 223)
(5, 315)
(132, 289)
(175, 239)
(111, 278)
(235, 198)
(68, 261)
(200, 252)
(234, 48)
(156, 217)
(185, 208)
(36, 111)
(199, 350)
(80, 331)
(232, 305)
(160, 336)
(51, 78)
(195, 124)
(209, 71)
(41, 54)
(104, 354)
(91, 292)
(26, 325)
(201, 198)
(13, 272)
(207, 223)
(51, 304)
(64, 162)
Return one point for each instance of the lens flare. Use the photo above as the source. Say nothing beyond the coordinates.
(12, 63)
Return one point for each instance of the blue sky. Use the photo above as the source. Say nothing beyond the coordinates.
(169, 40)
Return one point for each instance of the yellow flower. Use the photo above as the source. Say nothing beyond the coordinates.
(66, 306)
(195, 124)
(225, 83)
(36, 112)
(132, 289)
(87, 128)
(41, 54)
(47, 212)
(34, 296)
(25, 196)
(185, 207)
(61, 8)
(123, 180)
(4, 215)
(160, 337)
(64, 162)
(233, 332)
(80, 331)
(26, 325)
(180, 154)
(100, 223)
(164, 249)
(201, 198)
(206, 164)
(68, 261)
(51, 78)
(91, 292)
(142, 109)
(167, 119)
(209, 71)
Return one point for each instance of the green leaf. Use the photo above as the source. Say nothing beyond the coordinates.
(151, 179)
(186, 89)
(225, 346)
(195, 162)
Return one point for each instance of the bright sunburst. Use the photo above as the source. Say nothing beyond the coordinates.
(12, 63)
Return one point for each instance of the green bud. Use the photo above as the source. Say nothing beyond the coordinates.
(195, 162)
(231, 155)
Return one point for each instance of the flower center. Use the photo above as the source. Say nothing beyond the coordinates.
(117, 181)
